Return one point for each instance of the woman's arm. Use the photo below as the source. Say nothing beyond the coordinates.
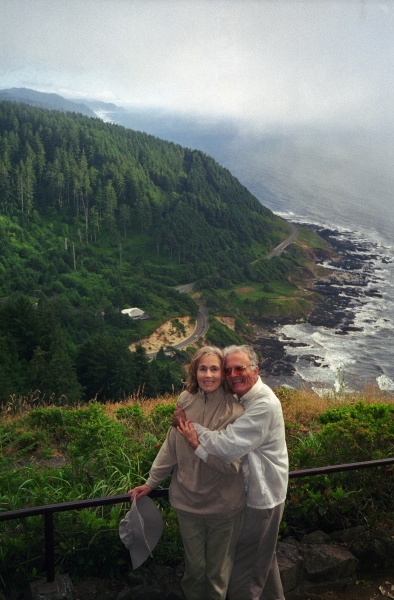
(186, 429)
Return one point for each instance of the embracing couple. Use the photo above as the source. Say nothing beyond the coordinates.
(228, 457)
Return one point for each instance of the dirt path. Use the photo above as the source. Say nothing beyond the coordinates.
(168, 334)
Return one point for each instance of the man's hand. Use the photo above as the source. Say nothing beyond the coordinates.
(178, 417)
(139, 491)
(186, 429)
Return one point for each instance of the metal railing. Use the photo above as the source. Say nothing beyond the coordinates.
(48, 509)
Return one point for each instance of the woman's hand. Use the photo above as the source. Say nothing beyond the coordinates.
(186, 429)
(139, 491)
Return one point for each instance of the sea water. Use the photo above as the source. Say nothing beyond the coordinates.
(335, 178)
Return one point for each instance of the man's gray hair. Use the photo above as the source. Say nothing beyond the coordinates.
(254, 361)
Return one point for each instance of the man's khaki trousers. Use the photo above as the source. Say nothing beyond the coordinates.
(255, 574)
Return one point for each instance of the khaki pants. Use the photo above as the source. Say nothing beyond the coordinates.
(209, 554)
(255, 575)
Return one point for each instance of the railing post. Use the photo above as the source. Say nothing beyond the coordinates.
(49, 547)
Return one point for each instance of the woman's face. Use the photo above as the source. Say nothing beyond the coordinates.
(209, 373)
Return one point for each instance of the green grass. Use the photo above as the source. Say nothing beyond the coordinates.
(290, 308)
(274, 289)
(311, 239)
(277, 299)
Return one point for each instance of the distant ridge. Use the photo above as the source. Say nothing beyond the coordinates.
(45, 100)
(97, 105)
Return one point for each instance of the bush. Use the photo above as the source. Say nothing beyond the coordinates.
(352, 433)
(132, 417)
(160, 418)
(359, 411)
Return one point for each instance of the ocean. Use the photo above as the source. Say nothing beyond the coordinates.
(339, 179)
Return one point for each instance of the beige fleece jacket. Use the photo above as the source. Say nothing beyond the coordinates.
(211, 489)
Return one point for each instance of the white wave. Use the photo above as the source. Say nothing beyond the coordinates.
(364, 233)
(374, 315)
(385, 383)
(323, 354)
(310, 220)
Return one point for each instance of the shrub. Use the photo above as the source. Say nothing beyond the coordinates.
(132, 416)
(318, 502)
(107, 456)
(18, 441)
(355, 432)
(160, 418)
(359, 411)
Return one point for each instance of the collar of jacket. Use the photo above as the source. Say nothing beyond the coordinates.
(252, 392)
(216, 395)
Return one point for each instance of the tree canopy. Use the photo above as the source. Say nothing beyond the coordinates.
(95, 218)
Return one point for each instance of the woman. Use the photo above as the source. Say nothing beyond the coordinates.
(208, 497)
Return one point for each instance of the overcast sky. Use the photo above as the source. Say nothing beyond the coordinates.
(265, 61)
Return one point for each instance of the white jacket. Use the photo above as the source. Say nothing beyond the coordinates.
(260, 434)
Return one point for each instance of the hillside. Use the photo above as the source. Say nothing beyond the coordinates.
(102, 181)
(44, 100)
(95, 218)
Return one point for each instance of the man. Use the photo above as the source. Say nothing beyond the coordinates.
(260, 434)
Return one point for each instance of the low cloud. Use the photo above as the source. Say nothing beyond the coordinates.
(260, 62)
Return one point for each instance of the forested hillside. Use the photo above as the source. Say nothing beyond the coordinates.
(95, 218)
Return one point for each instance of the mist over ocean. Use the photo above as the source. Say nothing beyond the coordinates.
(339, 179)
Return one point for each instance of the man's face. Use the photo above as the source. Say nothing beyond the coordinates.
(241, 382)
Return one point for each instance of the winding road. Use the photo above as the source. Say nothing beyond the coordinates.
(200, 330)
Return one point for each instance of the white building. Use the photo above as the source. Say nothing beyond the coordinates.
(134, 313)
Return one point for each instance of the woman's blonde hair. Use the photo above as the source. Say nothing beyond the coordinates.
(192, 383)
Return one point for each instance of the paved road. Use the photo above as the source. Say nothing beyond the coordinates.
(279, 249)
(202, 324)
(200, 331)
(202, 316)
(185, 288)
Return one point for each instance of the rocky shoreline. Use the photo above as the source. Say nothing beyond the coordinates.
(340, 293)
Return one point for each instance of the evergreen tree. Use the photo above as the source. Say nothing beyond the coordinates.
(60, 378)
(12, 375)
